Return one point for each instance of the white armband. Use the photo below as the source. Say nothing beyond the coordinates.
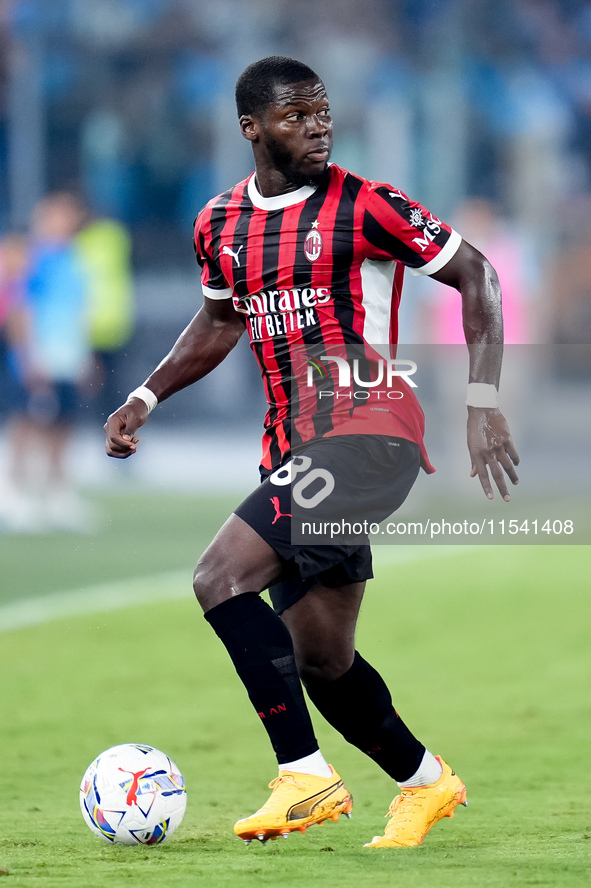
(145, 395)
(482, 394)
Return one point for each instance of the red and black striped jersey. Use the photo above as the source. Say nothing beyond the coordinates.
(315, 272)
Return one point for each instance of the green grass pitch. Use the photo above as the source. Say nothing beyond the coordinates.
(486, 652)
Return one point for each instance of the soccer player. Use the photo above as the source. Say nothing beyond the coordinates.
(309, 259)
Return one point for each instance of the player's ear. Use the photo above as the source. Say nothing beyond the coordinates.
(249, 127)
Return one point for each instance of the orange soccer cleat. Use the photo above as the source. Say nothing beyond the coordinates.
(418, 808)
(297, 802)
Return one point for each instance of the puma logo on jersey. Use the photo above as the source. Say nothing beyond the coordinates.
(228, 252)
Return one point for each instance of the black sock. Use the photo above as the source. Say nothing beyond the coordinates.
(359, 706)
(262, 653)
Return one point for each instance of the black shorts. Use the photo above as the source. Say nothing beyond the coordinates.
(356, 480)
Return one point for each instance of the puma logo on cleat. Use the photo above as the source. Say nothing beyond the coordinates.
(322, 801)
(228, 252)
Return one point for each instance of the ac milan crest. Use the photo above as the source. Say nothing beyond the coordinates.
(313, 243)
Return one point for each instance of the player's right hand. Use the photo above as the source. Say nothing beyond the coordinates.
(121, 426)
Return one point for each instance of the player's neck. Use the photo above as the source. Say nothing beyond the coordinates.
(271, 182)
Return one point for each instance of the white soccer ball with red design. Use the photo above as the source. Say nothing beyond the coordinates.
(133, 794)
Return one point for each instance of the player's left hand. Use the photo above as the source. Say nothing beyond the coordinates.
(491, 447)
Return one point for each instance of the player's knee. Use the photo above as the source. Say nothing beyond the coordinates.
(208, 582)
(201, 585)
(324, 666)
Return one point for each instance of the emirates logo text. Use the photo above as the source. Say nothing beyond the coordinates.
(279, 312)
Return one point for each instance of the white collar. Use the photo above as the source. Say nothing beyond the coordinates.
(280, 201)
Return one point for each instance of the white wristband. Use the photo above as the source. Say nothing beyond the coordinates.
(145, 395)
(482, 394)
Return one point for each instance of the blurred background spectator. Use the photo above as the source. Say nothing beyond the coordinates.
(104, 247)
(510, 252)
(13, 322)
(14, 339)
(51, 358)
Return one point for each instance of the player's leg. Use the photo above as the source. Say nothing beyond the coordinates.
(228, 578)
(350, 693)
(233, 570)
(354, 698)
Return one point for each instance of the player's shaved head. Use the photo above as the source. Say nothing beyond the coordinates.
(255, 88)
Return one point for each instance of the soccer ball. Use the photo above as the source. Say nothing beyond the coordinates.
(133, 794)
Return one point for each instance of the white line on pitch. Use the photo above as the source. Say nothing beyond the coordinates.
(172, 585)
(94, 599)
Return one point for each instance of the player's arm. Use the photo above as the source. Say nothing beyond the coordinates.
(489, 439)
(211, 335)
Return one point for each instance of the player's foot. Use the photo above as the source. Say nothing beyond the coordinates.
(297, 801)
(418, 808)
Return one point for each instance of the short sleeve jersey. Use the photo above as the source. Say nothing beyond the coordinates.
(315, 272)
